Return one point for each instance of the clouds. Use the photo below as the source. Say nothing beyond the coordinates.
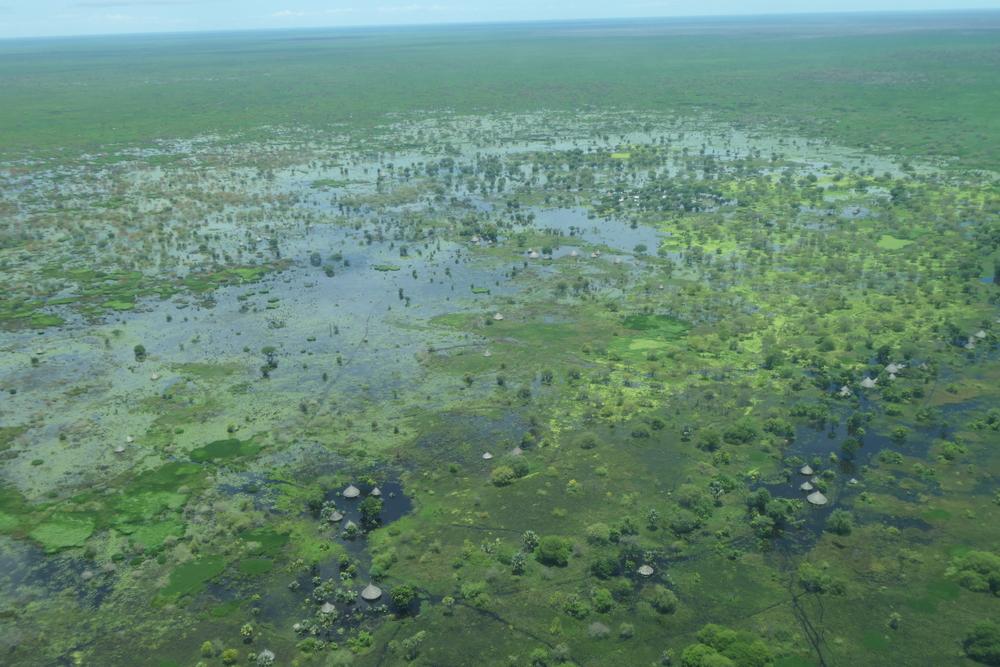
(106, 4)
(293, 14)
(411, 9)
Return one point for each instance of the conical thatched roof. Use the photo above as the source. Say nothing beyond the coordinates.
(869, 383)
(376, 492)
(646, 570)
(806, 486)
(498, 316)
(487, 456)
(337, 516)
(327, 608)
(806, 469)
(817, 498)
(371, 593)
(352, 492)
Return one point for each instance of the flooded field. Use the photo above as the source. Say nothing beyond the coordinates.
(599, 387)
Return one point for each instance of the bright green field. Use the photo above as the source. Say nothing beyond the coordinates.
(918, 84)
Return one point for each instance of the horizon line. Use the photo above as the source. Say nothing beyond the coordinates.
(512, 22)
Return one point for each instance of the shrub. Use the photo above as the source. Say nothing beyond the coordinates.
(721, 647)
(664, 600)
(576, 606)
(741, 433)
(982, 644)
(598, 630)
(502, 475)
(371, 511)
(978, 571)
(602, 600)
(598, 533)
(815, 580)
(553, 551)
(684, 521)
(403, 596)
(604, 567)
(840, 522)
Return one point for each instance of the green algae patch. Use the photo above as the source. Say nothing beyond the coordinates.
(889, 242)
(661, 327)
(225, 609)
(231, 276)
(255, 567)
(119, 306)
(191, 577)
(222, 450)
(63, 531)
(8, 523)
(167, 477)
(621, 156)
(658, 332)
(147, 505)
(874, 640)
(269, 542)
(937, 591)
(386, 267)
(8, 434)
(152, 536)
(205, 371)
(45, 320)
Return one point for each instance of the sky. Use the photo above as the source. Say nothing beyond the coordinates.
(31, 18)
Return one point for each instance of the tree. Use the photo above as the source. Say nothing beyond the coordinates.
(518, 563)
(604, 567)
(530, 540)
(402, 597)
(982, 644)
(140, 352)
(840, 522)
(371, 511)
(664, 600)
(502, 475)
(978, 571)
(553, 550)
(719, 646)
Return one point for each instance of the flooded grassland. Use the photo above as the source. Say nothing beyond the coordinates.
(544, 388)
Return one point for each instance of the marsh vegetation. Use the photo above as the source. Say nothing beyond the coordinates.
(594, 383)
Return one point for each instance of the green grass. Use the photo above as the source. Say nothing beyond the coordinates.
(62, 531)
(222, 450)
(255, 566)
(190, 577)
(928, 91)
(888, 242)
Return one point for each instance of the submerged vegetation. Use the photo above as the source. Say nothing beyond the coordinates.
(612, 381)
